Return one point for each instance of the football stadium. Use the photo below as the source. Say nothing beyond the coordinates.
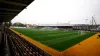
(58, 39)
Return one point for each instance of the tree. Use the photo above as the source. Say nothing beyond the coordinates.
(18, 24)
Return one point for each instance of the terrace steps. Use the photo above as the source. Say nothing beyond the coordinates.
(13, 45)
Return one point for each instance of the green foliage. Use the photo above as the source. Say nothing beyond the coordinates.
(18, 24)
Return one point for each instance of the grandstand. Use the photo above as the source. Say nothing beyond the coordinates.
(10, 43)
(56, 26)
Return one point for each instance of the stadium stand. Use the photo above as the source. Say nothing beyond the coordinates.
(22, 47)
(87, 27)
(13, 45)
(10, 43)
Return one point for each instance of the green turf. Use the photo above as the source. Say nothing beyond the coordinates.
(57, 39)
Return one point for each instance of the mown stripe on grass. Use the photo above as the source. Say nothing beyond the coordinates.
(54, 36)
(66, 44)
(42, 36)
(59, 40)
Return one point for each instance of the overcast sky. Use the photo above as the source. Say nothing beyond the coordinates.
(61, 11)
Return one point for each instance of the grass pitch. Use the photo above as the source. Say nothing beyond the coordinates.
(56, 39)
